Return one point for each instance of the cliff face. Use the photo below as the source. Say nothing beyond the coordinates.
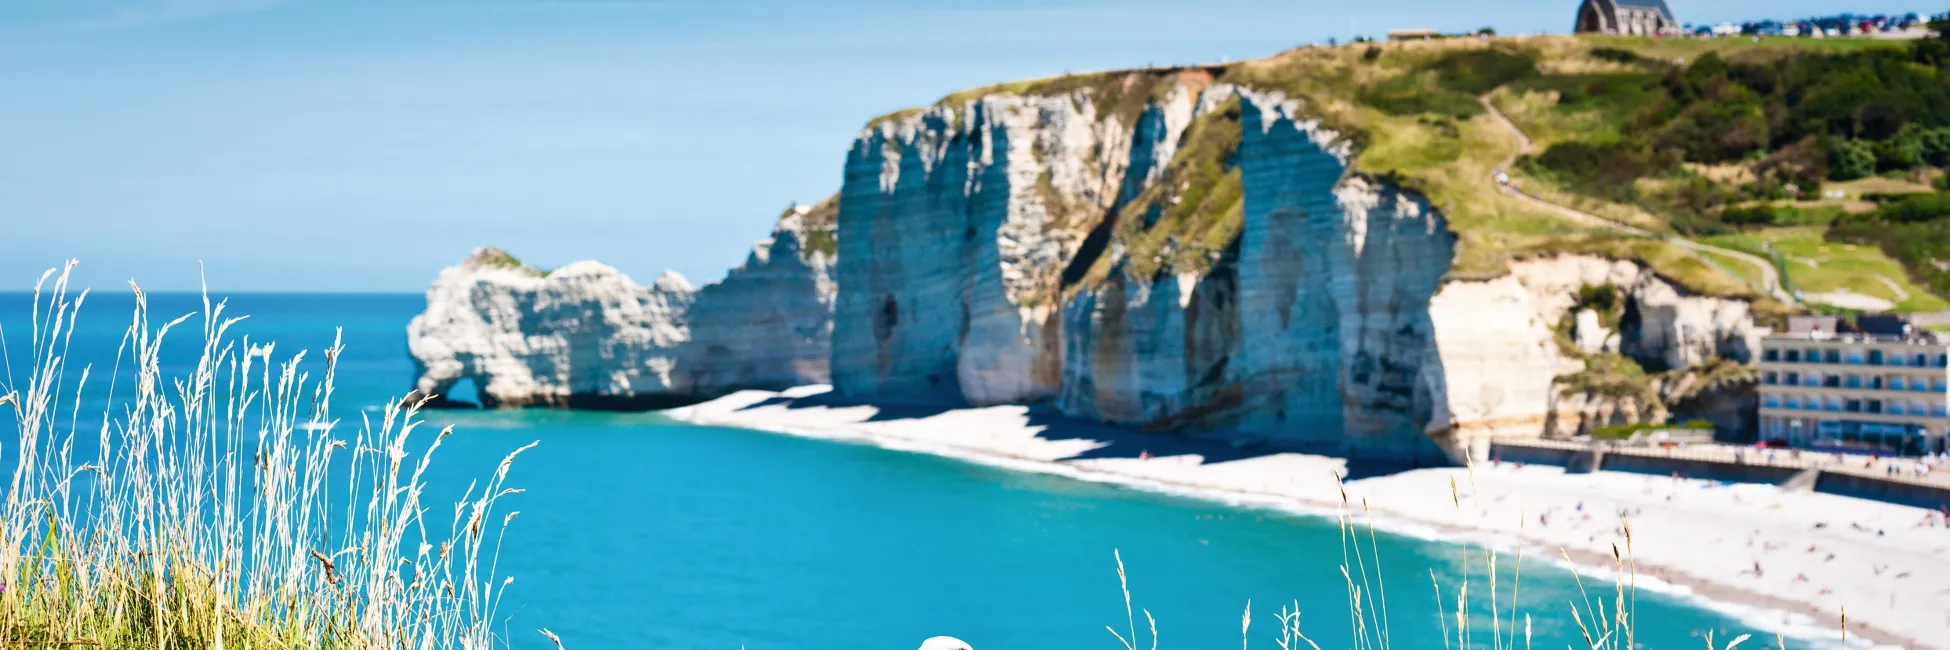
(583, 335)
(769, 323)
(1013, 249)
(587, 336)
(1152, 249)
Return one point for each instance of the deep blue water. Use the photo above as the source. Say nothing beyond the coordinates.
(637, 532)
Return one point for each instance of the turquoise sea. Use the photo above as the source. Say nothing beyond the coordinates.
(639, 532)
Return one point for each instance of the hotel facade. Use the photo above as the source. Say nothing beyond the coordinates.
(1885, 390)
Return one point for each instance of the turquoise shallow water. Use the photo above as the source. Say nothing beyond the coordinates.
(639, 532)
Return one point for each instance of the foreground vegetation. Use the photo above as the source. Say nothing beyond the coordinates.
(226, 508)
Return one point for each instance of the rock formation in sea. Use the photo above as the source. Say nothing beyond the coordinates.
(587, 336)
(1164, 251)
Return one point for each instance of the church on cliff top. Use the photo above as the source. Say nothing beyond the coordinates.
(1628, 17)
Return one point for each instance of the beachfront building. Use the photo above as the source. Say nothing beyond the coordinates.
(1628, 17)
(1880, 386)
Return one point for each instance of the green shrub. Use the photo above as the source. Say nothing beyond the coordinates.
(1728, 124)
(1474, 72)
(1850, 159)
(1616, 55)
(1602, 169)
(1935, 144)
(1803, 163)
(1448, 86)
(1623, 431)
(1419, 93)
(1757, 215)
(1905, 151)
(1916, 209)
(1602, 298)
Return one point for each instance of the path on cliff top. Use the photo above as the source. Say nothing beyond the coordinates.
(1770, 277)
(1894, 286)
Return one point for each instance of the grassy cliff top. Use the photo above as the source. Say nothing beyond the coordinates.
(489, 257)
(819, 224)
(1120, 93)
(1774, 147)
(1423, 114)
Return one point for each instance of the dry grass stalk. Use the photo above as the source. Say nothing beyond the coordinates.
(224, 507)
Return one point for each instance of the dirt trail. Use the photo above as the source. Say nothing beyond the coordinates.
(1770, 277)
(1894, 286)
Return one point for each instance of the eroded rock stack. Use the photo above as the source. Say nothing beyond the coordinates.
(586, 336)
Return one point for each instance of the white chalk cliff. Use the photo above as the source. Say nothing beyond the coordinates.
(1104, 256)
(1330, 322)
(585, 335)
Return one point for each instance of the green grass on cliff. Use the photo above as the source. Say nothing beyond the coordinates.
(1185, 220)
(490, 257)
(1123, 94)
(1415, 115)
(1818, 265)
(1742, 142)
(821, 225)
(1449, 151)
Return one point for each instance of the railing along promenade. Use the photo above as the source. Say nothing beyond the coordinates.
(1740, 456)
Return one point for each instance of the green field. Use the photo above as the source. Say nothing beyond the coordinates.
(1816, 265)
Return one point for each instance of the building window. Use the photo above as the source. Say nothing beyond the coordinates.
(1832, 356)
(1773, 401)
(1896, 360)
(1770, 379)
(1812, 355)
(1770, 355)
(1834, 405)
(1943, 360)
(1897, 407)
(1852, 406)
(1922, 360)
(1793, 401)
(1832, 381)
(1897, 383)
(1793, 356)
(1875, 383)
(1875, 357)
(1873, 406)
(1936, 385)
(1936, 409)
(1854, 381)
(1854, 357)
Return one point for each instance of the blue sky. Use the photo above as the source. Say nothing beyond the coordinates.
(362, 145)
